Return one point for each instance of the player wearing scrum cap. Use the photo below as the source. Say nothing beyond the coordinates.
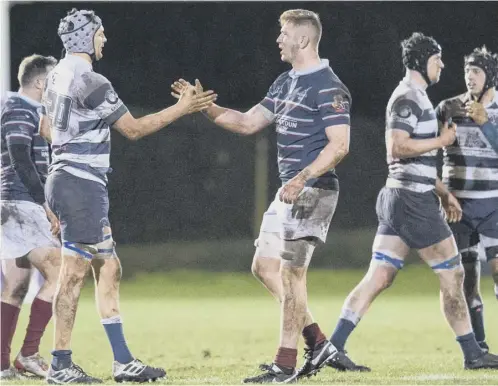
(470, 172)
(80, 108)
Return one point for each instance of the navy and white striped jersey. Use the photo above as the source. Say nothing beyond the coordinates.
(410, 109)
(302, 104)
(81, 106)
(20, 119)
(470, 167)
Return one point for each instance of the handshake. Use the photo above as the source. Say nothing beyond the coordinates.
(192, 98)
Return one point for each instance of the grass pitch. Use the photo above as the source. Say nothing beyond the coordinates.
(210, 328)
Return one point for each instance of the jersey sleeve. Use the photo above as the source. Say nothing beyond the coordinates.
(442, 112)
(268, 101)
(404, 114)
(334, 105)
(19, 127)
(99, 95)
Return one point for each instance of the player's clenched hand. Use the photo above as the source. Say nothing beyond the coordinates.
(291, 190)
(192, 102)
(55, 226)
(448, 134)
(452, 208)
(477, 112)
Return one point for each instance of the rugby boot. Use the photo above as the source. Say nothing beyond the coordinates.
(274, 374)
(136, 371)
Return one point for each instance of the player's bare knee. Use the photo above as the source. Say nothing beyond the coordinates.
(386, 278)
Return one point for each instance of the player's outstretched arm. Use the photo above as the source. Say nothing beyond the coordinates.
(189, 102)
(250, 122)
(400, 145)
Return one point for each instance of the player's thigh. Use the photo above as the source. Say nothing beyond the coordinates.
(442, 255)
(416, 217)
(47, 260)
(488, 229)
(81, 205)
(467, 241)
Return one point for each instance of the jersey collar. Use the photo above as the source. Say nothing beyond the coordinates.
(324, 63)
(25, 98)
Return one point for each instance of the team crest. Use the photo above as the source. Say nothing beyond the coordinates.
(339, 104)
(404, 112)
(111, 97)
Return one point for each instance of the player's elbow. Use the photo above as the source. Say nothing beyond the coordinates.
(133, 135)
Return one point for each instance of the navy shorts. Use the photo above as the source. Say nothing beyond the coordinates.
(81, 205)
(416, 218)
(479, 223)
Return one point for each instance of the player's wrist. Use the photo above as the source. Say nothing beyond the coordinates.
(304, 175)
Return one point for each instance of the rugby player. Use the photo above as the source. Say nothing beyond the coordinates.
(311, 109)
(470, 172)
(28, 225)
(80, 107)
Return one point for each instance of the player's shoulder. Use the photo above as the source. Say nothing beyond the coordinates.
(282, 78)
(453, 101)
(93, 80)
(405, 93)
(327, 79)
(17, 108)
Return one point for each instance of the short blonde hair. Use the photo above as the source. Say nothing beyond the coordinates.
(303, 17)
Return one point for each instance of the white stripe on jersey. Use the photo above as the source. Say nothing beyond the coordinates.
(414, 169)
(25, 111)
(290, 146)
(94, 160)
(471, 152)
(426, 127)
(27, 123)
(335, 116)
(18, 135)
(470, 173)
(329, 89)
(295, 104)
(289, 118)
(474, 194)
(414, 186)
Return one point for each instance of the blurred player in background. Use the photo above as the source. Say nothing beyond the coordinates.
(28, 225)
(470, 172)
(81, 106)
(311, 109)
(408, 207)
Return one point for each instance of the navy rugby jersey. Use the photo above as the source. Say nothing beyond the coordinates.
(410, 109)
(470, 168)
(20, 119)
(81, 106)
(302, 104)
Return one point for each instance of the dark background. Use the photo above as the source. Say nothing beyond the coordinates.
(193, 181)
